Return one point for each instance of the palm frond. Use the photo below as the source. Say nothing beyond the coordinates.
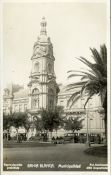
(83, 88)
(84, 78)
(85, 61)
(76, 84)
(94, 79)
(73, 96)
(75, 100)
(74, 75)
(86, 85)
(96, 56)
(90, 75)
(94, 73)
(82, 73)
(70, 71)
(100, 70)
(90, 65)
(103, 53)
(88, 99)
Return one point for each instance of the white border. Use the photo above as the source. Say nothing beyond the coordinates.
(109, 95)
(52, 1)
(1, 84)
(109, 86)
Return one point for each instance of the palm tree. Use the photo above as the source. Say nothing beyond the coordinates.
(93, 80)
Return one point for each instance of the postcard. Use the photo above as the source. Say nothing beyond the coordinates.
(55, 69)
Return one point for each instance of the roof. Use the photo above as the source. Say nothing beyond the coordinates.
(22, 93)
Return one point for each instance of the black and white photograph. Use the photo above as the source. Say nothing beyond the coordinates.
(55, 67)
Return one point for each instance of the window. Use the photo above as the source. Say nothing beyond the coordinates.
(35, 102)
(35, 98)
(35, 91)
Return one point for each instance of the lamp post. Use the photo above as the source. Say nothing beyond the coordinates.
(87, 140)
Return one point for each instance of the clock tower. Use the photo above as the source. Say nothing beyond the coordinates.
(43, 89)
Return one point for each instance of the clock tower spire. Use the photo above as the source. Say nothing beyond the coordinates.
(43, 27)
(42, 85)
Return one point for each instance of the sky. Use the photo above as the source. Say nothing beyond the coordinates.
(73, 28)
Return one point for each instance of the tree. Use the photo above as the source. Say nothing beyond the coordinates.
(17, 120)
(38, 124)
(93, 81)
(73, 124)
(20, 119)
(51, 119)
(7, 123)
(59, 117)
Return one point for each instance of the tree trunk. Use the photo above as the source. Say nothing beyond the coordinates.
(7, 134)
(26, 134)
(73, 137)
(50, 136)
(17, 135)
(105, 122)
(56, 133)
(105, 115)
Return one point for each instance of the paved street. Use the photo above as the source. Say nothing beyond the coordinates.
(64, 154)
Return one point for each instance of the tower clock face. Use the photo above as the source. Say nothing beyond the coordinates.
(40, 50)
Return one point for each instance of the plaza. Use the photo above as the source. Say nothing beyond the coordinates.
(58, 155)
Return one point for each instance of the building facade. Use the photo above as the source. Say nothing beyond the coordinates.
(44, 93)
(92, 115)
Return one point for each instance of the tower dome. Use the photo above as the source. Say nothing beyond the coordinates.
(43, 45)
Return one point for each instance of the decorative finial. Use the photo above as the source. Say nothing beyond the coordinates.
(43, 26)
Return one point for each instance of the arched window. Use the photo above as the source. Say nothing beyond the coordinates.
(35, 91)
(35, 98)
(36, 67)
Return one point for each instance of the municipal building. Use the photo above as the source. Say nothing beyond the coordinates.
(43, 92)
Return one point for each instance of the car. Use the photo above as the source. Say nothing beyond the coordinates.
(58, 140)
(68, 138)
(71, 138)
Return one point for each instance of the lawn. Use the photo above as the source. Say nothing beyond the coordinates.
(100, 151)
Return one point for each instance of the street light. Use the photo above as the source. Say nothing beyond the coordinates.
(87, 140)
